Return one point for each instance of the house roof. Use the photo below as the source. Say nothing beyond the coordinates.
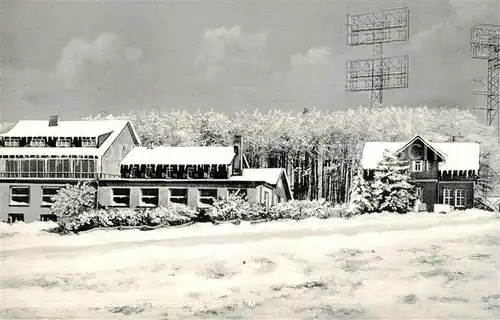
(271, 176)
(179, 156)
(83, 128)
(457, 155)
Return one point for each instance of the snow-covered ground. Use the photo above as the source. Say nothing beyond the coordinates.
(425, 266)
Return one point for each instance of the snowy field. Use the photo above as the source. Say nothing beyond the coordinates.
(417, 266)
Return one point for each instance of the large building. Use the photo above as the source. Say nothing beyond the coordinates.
(39, 157)
(443, 173)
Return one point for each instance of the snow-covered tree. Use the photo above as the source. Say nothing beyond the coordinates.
(362, 195)
(391, 190)
(73, 200)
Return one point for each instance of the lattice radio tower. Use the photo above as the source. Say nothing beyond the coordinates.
(378, 73)
(485, 44)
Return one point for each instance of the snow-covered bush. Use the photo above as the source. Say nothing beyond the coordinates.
(108, 218)
(236, 207)
(73, 200)
(303, 209)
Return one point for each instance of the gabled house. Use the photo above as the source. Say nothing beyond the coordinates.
(38, 157)
(195, 176)
(443, 172)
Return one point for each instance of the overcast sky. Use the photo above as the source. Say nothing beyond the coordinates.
(80, 57)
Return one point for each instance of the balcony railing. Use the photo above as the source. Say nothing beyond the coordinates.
(57, 175)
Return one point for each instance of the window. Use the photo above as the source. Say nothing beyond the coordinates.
(278, 199)
(89, 142)
(178, 196)
(190, 172)
(419, 193)
(12, 142)
(121, 197)
(63, 142)
(418, 165)
(37, 142)
(238, 192)
(149, 171)
(48, 217)
(19, 196)
(447, 196)
(460, 197)
(15, 217)
(207, 196)
(266, 198)
(83, 168)
(149, 197)
(47, 194)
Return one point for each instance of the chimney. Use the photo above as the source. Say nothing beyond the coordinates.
(53, 121)
(238, 159)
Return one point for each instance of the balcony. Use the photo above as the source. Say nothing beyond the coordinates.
(57, 175)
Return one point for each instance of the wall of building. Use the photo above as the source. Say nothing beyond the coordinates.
(32, 211)
(110, 161)
(105, 194)
(429, 193)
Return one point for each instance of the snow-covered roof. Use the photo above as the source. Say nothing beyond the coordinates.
(268, 175)
(76, 129)
(458, 155)
(179, 156)
(82, 128)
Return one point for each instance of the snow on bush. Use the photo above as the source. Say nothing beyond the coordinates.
(111, 218)
(73, 200)
(299, 210)
(236, 207)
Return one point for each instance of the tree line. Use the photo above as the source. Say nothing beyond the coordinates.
(320, 150)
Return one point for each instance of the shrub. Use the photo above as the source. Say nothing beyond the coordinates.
(304, 209)
(73, 200)
(145, 217)
(235, 207)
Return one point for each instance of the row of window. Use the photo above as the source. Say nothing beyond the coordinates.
(149, 197)
(21, 196)
(84, 168)
(18, 217)
(42, 142)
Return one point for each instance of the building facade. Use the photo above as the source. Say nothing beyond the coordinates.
(194, 176)
(37, 158)
(443, 173)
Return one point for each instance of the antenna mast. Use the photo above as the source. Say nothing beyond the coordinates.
(378, 73)
(485, 44)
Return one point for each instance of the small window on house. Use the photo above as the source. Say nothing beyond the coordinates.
(418, 165)
(190, 172)
(15, 217)
(89, 142)
(278, 199)
(238, 192)
(19, 196)
(48, 217)
(419, 193)
(179, 196)
(447, 196)
(12, 142)
(149, 171)
(63, 142)
(207, 196)
(121, 197)
(47, 194)
(266, 198)
(460, 197)
(37, 142)
(149, 197)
